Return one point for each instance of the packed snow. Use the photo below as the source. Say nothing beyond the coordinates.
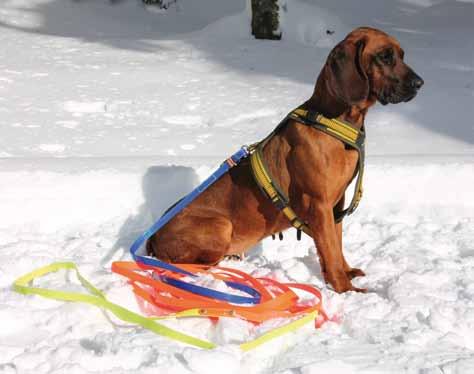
(111, 110)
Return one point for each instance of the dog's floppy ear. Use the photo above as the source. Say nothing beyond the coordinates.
(346, 75)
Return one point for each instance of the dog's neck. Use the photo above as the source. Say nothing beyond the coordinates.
(324, 101)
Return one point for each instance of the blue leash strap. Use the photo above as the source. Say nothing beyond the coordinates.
(188, 199)
(218, 295)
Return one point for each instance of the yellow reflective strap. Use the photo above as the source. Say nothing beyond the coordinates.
(339, 128)
(359, 190)
(263, 172)
(306, 230)
(334, 125)
(300, 112)
(345, 126)
(295, 221)
(98, 299)
(275, 333)
(262, 178)
(289, 213)
(346, 130)
(347, 139)
(264, 181)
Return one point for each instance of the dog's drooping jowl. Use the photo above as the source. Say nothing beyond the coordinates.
(311, 167)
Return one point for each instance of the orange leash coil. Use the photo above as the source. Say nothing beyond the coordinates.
(278, 300)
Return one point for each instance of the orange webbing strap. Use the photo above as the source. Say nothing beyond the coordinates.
(280, 302)
(173, 298)
(296, 308)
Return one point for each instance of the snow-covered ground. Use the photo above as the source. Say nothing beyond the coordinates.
(110, 112)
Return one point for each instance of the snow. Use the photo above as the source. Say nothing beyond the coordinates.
(111, 111)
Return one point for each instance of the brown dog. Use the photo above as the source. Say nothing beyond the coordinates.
(312, 168)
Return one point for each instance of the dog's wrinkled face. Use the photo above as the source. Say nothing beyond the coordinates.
(391, 80)
(369, 65)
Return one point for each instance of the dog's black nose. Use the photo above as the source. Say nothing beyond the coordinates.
(416, 82)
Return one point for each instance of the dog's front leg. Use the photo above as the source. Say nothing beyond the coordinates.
(323, 227)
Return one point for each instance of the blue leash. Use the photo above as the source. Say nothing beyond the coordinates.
(188, 199)
(204, 291)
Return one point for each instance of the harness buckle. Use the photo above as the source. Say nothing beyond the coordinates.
(278, 202)
(312, 116)
(250, 148)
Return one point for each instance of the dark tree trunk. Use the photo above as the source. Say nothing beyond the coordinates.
(265, 19)
(153, 2)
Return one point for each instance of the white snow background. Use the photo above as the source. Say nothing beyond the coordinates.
(110, 111)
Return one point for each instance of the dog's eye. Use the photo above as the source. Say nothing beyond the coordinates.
(386, 56)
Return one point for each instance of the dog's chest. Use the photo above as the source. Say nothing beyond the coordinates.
(341, 169)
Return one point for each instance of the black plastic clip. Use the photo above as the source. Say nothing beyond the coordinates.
(298, 234)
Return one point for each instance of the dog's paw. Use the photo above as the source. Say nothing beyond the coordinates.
(341, 282)
(354, 272)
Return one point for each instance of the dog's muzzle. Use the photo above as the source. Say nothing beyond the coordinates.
(403, 92)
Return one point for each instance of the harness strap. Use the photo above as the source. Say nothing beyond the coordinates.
(348, 134)
(273, 192)
(341, 130)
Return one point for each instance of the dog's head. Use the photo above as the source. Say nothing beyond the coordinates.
(368, 65)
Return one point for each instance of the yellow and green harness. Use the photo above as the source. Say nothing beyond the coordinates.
(344, 131)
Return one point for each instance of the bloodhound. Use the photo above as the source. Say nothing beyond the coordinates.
(311, 167)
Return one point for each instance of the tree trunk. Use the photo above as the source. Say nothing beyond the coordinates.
(153, 2)
(265, 22)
